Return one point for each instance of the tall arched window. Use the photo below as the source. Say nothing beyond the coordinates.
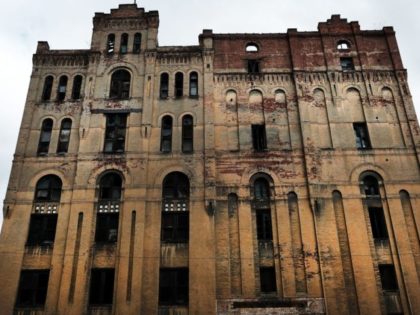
(164, 85)
(179, 84)
(261, 189)
(48, 84)
(110, 187)
(77, 87)
(64, 137)
(62, 88)
(187, 134)
(137, 43)
(166, 134)
(370, 186)
(193, 84)
(48, 189)
(120, 84)
(45, 137)
(110, 44)
(124, 43)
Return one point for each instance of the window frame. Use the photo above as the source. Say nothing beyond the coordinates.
(77, 87)
(253, 66)
(120, 84)
(268, 282)
(45, 137)
(64, 136)
(62, 88)
(176, 284)
(347, 64)
(264, 225)
(115, 133)
(124, 43)
(362, 137)
(259, 137)
(193, 88)
(179, 85)
(187, 134)
(47, 88)
(102, 292)
(164, 86)
(110, 44)
(53, 189)
(378, 223)
(166, 132)
(137, 43)
(37, 287)
(42, 229)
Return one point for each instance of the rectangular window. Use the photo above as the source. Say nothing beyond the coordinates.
(33, 285)
(101, 287)
(346, 64)
(264, 228)
(106, 228)
(115, 133)
(268, 280)
(259, 139)
(388, 278)
(362, 136)
(175, 227)
(378, 223)
(173, 286)
(253, 66)
(42, 230)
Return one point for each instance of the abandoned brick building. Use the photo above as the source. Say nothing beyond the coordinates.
(249, 174)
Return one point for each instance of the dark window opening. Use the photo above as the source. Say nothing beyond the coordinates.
(62, 87)
(166, 135)
(264, 227)
(259, 139)
(346, 63)
(388, 278)
(261, 189)
(101, 287)
(362, 136)
(120, 85)
(33, 285)
(176, 186)
(45, 137)
(193, 84)
(370, 186)
(42, 229)
(48, 84)
(173, 286)
(268, 280)
(115, 133)
(124, 43)
(378, 223)
(64, 137)
(187, 134)
(77, 87)
(164, 85)
(48, 189)
(110, 44)
(179, 85)
(343, 45)
(110, 187)
(137, 43)
(253, 66)
(175, 227)
(106, 228)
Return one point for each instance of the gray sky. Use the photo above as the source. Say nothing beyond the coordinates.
(67, 24)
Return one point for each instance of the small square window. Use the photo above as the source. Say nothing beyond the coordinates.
(253, 66)
(347, 63)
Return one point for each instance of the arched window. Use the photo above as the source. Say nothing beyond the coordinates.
(110, 187)
(110, 44)
(77, 87)
(343, 45)
(187, 134)
(251, 47)
(120, 84)
(64, 137)
(166, 134)
(370, 186)
(176, 185)
(137, 43)
(48, 189)
(193, 84)
(179, 84)
(261, 189)
(164, 85)
(124, 43)
(62, 87)
(45, 137)
(46, 92)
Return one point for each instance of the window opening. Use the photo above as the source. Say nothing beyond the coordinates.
(164, 84)
(259, 139)
(370, 186)
(64, 137)
(173, 286)
(124, 43)
(261, 189)
(175, 227)
(48, 189)
(110, 187)
(264, 226)
(187, 134)
(251, 47)
(77, 86)
(343, 45)
(362, 136)
(137, 43)
(179, 84)
(33, 286)
(101, 287)
(346, 64)
(253, 66)
(42, 229)
(378, 223)
(48, 84)
(120, 85)
(45, 137)
(388, 278)
(115, 133)
(62, 87)
(268, 280)
(166, 135)
(106, 228)
(110, 44)
(193, 84)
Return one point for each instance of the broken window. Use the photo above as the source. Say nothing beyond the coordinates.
(253, 66)
(64, 136)
(33, 286)
(110, 187)
(101, 286)
(166, 135)
(378, 223)
(259, 140)
(179, 84)
(110, 44)
(346, 63)
(175, 227)
(48, 189)
(268, 280)
(106, 228)
(388, 278)
(187, 134)
(120, 84)
(343, 45)
(124, 43)
(193, 84)
(137, 43)
(176, 186)
(62, 87)
(370, 186)
(264, 227)
(45, 137)
(42, 229)
(77, 87)
(48, 84)
(251, 47)
(164, 85)
(115, 133)
(173, 286)
(362, 136)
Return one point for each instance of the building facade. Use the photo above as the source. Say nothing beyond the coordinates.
(250, 174)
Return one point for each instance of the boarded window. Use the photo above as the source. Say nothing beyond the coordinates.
(115, 133)
(120, 85)
(64, 137)
(173, 286)
(101, 287)
(33, 285)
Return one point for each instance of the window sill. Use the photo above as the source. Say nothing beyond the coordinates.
(194, 97)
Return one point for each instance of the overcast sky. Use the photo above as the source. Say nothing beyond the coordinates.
(67, 24)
